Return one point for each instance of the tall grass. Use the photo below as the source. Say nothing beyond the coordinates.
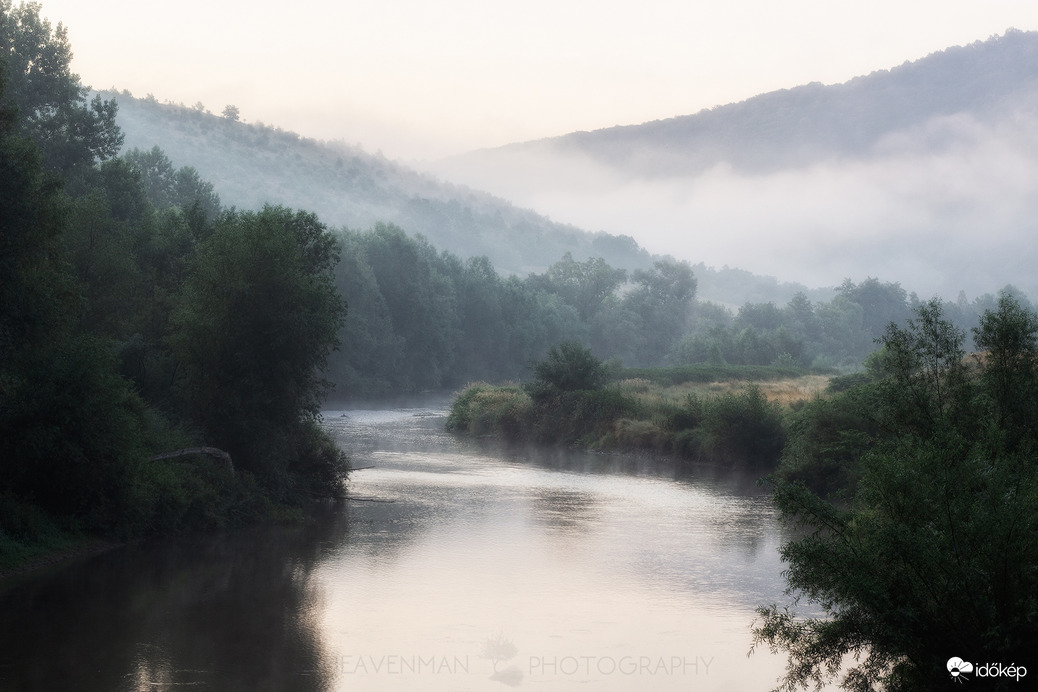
(743, 425)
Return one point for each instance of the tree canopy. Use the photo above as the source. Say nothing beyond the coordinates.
(934, 554)
(72, 133)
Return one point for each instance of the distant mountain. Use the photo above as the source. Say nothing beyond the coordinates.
(805, 124)
(254, 164)
(926, 173)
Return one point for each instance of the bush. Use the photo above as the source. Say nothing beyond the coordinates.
(628, 434)
(582, 416)
(482, 409)
(26, 531)
(743, 428)
(568, 367)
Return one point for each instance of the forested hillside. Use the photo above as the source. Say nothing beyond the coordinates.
(252, 164)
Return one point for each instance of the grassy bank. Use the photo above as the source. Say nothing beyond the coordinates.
(731, 417)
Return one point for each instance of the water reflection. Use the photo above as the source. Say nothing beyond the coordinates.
(457, 566)
(221, 612)
(564, 511)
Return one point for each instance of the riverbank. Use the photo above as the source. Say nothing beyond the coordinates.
(729, 415)
(32, 558)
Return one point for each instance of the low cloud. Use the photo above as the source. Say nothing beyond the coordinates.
(946, 206)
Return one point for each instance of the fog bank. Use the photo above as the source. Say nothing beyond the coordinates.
(947, 206)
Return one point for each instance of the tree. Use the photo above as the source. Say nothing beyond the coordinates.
(51, 104)
(759, 316)
(934, 554)
(70, 428)
(922, 372)
(568, 367)
(662, 300)
(253, 328)
(881, 304)
(421, 301)
(231, 113)
(1008, 337)
(168, 186)
(371, 356)
(584, 285)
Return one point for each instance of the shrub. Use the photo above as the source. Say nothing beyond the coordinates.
(482, 409)
(743, 427)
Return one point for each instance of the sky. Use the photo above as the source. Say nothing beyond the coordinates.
(419, 80)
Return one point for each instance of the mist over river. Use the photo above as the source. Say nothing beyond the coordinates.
(454, 566)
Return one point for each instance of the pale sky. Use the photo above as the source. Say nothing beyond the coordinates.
(423, 79)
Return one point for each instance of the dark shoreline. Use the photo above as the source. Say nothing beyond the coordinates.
(78, 549)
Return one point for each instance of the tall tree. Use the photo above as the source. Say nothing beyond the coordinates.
(1008, 338)
(662, 299)
(584, 285)
(51, 103)
(253, 328)
(168, 186)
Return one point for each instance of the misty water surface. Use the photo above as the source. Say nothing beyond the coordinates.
(456, 567)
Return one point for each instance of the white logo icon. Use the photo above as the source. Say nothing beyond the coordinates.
(957, 667)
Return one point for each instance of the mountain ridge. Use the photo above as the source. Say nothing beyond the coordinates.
(943, 83)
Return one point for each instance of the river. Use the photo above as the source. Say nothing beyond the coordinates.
(456, 565)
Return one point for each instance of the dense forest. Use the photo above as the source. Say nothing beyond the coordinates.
(422, 320)
(138, 319)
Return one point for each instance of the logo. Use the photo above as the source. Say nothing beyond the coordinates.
(958, 668)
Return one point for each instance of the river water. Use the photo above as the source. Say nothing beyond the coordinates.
(455, 566)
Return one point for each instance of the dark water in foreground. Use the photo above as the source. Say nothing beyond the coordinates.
(455, 568)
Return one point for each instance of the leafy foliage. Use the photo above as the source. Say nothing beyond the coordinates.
(253, 326)
(52, 107)
(136, 317)
(568, 367)
(933, 550)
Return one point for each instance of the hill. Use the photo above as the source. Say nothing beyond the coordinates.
(813, 122)
(923, 173)
(254, 164)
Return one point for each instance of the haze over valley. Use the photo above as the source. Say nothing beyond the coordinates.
(926, 173)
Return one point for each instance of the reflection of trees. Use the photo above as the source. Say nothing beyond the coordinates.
(227, 612)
